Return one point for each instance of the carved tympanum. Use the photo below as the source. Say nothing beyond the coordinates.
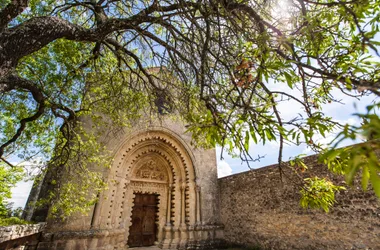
(152, 171)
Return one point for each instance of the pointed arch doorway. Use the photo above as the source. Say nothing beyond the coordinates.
(155, 163)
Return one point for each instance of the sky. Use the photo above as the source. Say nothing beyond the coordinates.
(342, 112)
(339, 111)
(21, 191)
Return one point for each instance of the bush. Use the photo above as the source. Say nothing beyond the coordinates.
(13, 221)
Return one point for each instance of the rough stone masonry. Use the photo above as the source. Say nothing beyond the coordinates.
(257, 209)
(161, 191)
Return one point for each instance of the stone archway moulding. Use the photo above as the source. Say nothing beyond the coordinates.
(159, 162)
(165, 132)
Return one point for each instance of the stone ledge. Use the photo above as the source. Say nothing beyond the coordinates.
(92, 233)
(18, 231)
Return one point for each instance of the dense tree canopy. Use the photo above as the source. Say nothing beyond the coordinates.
(234, 63)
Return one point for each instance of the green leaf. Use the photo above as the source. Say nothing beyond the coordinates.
(352, 168)
(375, 180)
(365, 177)
(246, 140)
(253, 133)
(288, 79)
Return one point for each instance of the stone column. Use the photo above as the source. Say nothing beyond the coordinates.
(192, 213)
(183, 204)
(95, 215)
(198, 203)
(198, 225)
(183, 227)
(169, 205)
(168, 226)
(33, 197)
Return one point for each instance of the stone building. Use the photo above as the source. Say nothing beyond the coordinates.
(161, 191)
(168, 195)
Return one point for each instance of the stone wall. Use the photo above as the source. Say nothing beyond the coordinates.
(32, 199)
(18, 231)
(187, 211)
(258, 209)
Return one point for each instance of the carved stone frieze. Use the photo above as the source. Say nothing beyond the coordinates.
(152, 187)
(152, 171)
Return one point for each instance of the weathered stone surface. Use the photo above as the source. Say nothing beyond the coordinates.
(154, 156)
(32, 199)
(18, 231)
(258, 209)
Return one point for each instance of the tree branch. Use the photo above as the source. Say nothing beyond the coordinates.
(12, 10)
(14, 82)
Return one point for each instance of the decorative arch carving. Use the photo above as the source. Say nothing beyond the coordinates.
(150, 170)
(152, 162)
(164, 137)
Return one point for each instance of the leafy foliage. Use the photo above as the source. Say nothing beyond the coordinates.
(8, 179)
(362, 158)
(232, 64)
(13, 221)
(318, 193)
(10, 216)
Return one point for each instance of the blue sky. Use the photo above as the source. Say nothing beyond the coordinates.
(342, 112)
(339, 111)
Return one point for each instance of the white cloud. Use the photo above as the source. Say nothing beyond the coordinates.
(20, 192)
(224, 169)
(32, 167)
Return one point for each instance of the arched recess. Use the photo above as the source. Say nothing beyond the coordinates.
(155, 162)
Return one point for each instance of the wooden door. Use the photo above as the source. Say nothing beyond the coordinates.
(143, 229)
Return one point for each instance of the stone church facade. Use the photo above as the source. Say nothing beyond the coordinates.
(161, 191)
(164, 192)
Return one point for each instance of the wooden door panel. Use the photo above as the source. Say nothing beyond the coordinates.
(143, 229)
(149, 220)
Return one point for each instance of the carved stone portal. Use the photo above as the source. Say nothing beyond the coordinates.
(154, 163)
